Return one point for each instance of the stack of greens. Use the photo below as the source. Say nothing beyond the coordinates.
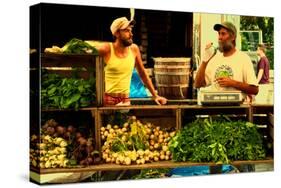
(207, 140)
(64, 93)
(77, 46)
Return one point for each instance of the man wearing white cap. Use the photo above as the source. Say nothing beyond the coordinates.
(229, 70)
(121, 56)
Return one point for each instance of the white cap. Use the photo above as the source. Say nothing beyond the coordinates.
(120, 23)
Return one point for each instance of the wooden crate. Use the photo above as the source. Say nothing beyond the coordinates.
(271, 125)
(82, 65)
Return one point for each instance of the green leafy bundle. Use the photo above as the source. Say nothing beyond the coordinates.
(137, 139)
(77, 46)
(220, 141)
(64, 93)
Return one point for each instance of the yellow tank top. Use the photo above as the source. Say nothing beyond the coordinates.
(118, 72)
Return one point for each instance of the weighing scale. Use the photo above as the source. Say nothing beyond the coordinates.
(207, 97)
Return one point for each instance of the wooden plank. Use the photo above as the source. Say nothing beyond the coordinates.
(271, 119)
(98, 124)
(178, 119)
(67, 60)
(213, 107)
(61, 110)
(143, 107)
(262, 108)
(249, 113)
(163, 122)
(99, 80)
(162, 164)
(194, 108)
(271, 131)
(154, 112)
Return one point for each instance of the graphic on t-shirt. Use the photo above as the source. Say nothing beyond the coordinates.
(223, 71)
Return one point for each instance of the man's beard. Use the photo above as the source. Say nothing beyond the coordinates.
(127, 42)
(225, 46)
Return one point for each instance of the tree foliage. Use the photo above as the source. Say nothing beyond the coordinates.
(266, 24)
(259, 23)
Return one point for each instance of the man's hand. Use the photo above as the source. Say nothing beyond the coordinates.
(209, 52)
(225, 82)
(160, 100)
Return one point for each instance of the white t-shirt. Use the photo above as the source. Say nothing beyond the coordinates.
(237, 66)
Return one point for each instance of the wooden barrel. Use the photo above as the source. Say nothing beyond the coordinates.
(172, 77)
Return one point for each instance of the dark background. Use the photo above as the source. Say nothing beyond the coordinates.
(169, 33)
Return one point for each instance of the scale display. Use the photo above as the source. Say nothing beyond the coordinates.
(220, 98)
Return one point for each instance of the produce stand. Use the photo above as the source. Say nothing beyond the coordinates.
(176, 112)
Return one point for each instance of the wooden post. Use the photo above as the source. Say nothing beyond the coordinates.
(99, 80)
(178, 119)
(249, 112)
(97, 114)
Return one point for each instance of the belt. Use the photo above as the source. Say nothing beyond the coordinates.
(121, 95)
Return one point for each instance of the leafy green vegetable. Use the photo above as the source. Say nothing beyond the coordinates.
(220, 141)
(136, 138)
(66, 93)
(77, 46)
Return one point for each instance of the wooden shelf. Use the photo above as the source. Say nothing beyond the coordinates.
(242, 106)
(66, 110)
(162, 164)
(155, 107)
(142, 107)
(169, 106)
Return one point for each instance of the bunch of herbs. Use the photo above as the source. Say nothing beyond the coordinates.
(220, 141)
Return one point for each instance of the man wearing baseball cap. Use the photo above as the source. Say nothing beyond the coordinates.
(121, 56)
(230, 68)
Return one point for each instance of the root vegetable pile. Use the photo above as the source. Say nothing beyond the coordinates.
(60, 146)
(50, 152)
(135, 143)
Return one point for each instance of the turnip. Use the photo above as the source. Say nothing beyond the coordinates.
(142, 161)
(165, 148)
(102, 129)
(108, 160)
(108, 126)
(127, 161)
(156, 159)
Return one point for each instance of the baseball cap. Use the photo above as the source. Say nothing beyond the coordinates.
(227, 25)
(120, 23)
